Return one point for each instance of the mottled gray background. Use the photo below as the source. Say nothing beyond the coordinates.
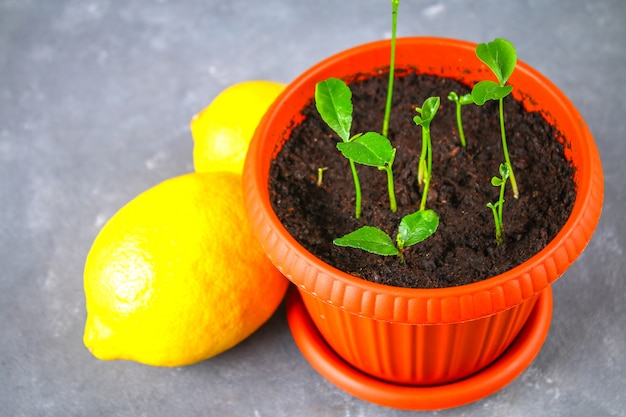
(95, 101)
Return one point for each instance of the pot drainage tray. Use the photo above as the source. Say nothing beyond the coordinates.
(473, 388)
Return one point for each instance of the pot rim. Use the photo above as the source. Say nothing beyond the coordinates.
(431, 305)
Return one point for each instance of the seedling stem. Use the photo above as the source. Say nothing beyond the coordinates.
(320, 175)
(505, 149)
(426, 114)
(392, 61)
(498, 207)
(460, 102)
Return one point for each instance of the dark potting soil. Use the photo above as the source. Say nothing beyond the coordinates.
(463, 249)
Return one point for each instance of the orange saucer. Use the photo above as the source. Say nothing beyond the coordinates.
(482, 384)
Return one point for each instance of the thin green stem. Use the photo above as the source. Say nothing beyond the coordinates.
(498, 207)
(506, 150)
(392, 62)
(357, 188)
(429, 166)
(501, 207)
(496, 220)
(422, 167)
(392, 194)
(459, 123)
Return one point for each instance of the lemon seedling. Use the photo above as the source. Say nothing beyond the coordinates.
(498, 207)
(413, 228)
(375, 150)
(425, 116)
(460, 101)
(500, 56)
(320, 175)
(392, 65)
(333, 100)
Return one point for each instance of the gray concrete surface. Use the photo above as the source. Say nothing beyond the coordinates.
(95, 100)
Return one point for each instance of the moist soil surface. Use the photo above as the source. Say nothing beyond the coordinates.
(463, 249)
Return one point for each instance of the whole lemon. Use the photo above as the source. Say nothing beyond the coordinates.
(223, 130)
(176, 275)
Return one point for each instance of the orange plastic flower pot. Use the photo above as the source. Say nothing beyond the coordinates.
(421, 337)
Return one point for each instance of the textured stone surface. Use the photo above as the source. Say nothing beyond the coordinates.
(95, 102)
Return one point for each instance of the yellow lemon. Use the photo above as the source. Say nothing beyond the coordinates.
(176, 275)
(223, 130)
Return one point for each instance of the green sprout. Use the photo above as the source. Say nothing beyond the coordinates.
(333, 100)
(413, 228)
(392, 61)
(425, 165)
(497, 207)
(320, 175)
(460, 101)
(500, 56)
(375, 150)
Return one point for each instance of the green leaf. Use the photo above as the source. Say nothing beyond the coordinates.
(500, 56)
(495, 206)
(333, 100)
(427, 111)
(489, 90)
(462, 100)
(505, 171)
(369, 239)
(466, 99)
(371, 148)
(496, 182)
(417, 226)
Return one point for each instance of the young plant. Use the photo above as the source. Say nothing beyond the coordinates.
(460, 101)
(320, 175)
(425, 165)
(392, 62)
(498, 206)
(375, 150)
(500, 56)
(413, 228)
(333, 100)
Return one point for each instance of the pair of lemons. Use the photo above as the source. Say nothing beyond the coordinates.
(176, 276)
